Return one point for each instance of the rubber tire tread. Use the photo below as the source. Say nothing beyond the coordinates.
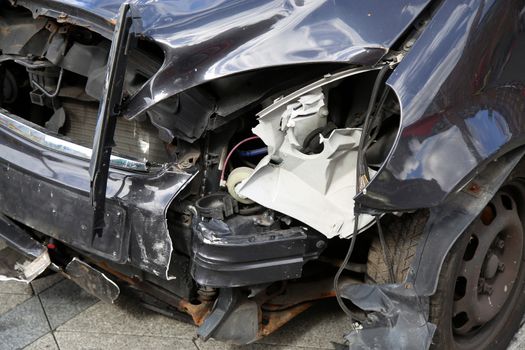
(402, 235)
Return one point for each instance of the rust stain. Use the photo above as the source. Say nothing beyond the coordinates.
(198, 313)
(487, 215)
(300, 292)
(272, 321)
(322, 295)
(474, 188)
(119, 275)
(273, 316)
(116, 273)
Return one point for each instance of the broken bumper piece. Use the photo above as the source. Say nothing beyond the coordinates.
(397, 317)
(233, 253)
(92, 281)
(24, 258)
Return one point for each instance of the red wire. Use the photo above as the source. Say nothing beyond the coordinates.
(231, 152)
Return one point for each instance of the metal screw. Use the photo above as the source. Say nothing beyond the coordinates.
(500, 243)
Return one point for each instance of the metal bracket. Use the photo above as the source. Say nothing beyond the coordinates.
(109, 110)
(227, 300)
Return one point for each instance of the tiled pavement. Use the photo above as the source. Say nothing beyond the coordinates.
(54, 313)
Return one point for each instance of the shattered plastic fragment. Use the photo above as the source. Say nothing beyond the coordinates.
(397, 317)
(317, 189)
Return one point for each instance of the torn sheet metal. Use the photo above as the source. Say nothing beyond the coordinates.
(92, 281)
(318, 188)
(397, 319)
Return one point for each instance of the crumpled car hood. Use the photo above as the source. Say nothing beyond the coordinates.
(207, 39)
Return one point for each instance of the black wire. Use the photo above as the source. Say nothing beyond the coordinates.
(340, 271)
(377, 121)
(361, 168)
(359, 172)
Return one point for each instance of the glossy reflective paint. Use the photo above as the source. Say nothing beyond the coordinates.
(462, 91)
(208, 39)
(460, 86)
(37, 135)
(49, 191)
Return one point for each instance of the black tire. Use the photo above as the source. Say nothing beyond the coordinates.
(402, 234)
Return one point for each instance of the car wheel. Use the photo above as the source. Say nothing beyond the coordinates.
(479, 302)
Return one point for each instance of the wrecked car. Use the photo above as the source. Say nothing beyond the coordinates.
(231, 163)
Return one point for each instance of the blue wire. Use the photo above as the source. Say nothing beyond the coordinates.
(254, 152)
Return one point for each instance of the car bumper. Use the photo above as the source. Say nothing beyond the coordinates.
(47, 188)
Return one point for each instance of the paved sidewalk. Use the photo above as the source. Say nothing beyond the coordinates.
(54, 313)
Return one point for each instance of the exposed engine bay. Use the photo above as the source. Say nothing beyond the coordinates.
(55, 78)
(274, 178)
(226, 179)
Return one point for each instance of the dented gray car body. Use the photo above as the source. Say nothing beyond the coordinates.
(216, 61)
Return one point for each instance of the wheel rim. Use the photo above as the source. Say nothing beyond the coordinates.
(489, 267)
